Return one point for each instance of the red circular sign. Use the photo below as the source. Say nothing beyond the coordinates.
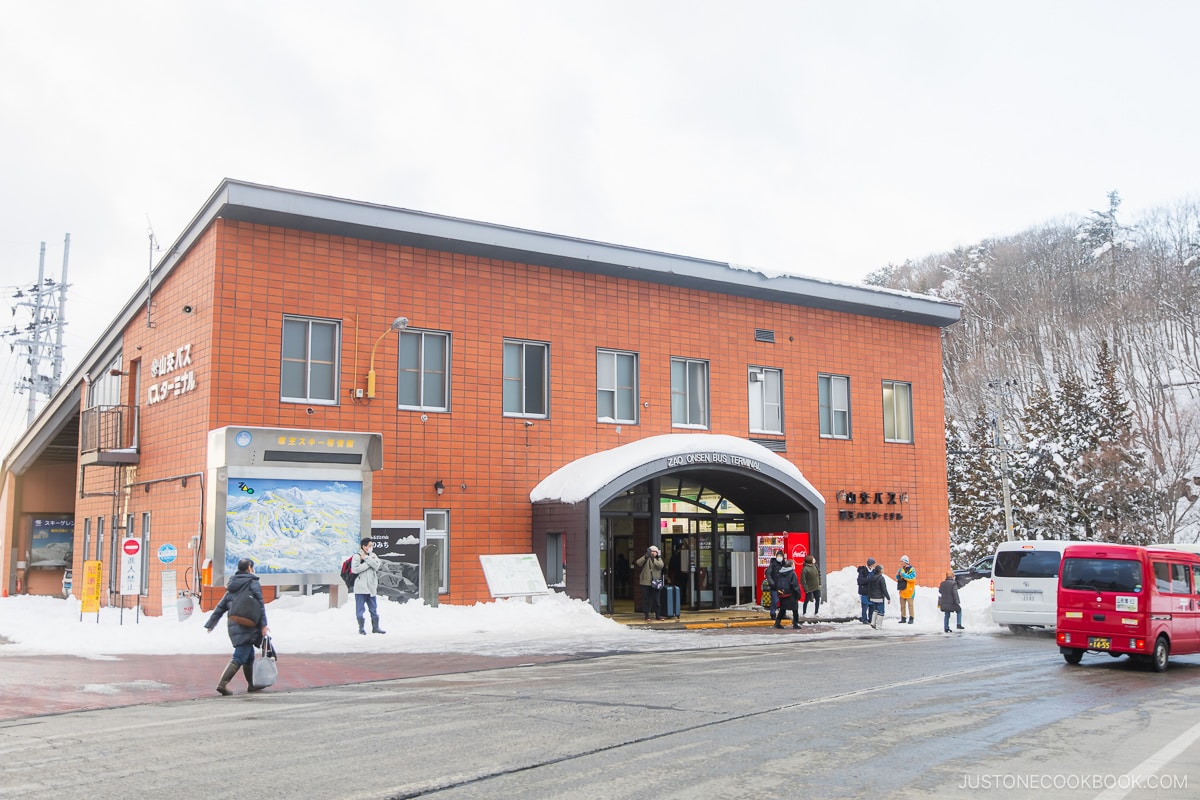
(131, 547)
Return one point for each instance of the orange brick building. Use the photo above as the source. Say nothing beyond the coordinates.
(548, 395)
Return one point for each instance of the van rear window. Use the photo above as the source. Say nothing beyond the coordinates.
(1026, 564)
(1102, 575)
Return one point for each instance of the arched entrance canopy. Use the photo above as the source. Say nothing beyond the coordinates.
(757, 480)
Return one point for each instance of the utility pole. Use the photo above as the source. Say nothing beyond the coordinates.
(41, 299)
(1002, 389)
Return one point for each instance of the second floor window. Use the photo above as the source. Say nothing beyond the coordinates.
(689, 393)
(309, 369)
(526, 371)
(766, 400)
(897, 412)
(616, 387)
(422, 382)
(833, 405)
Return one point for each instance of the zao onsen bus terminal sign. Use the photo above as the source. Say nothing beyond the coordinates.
(297, 502)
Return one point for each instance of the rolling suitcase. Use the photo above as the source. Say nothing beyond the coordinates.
(670, 601)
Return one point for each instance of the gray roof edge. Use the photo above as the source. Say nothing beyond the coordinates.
(588, 255)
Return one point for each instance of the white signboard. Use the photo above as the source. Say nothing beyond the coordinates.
(169, 590)
(131, 566)
(516, 575)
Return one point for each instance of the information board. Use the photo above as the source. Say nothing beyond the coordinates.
(514, 575)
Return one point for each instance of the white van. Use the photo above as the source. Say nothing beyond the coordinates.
(1025, 583)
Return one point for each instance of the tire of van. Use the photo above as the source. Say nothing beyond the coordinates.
(1072, 656)
(1162, 654)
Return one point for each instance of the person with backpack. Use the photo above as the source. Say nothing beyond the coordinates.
(366, 567)
(906, 587)
(243, 601)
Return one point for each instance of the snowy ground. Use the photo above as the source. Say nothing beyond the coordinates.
(550, 625)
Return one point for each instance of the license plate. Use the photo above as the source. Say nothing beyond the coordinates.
(1029, 597)
(1099, 643)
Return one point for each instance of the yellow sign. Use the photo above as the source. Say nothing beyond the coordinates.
(90, 593)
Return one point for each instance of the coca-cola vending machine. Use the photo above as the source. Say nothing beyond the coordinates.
(794, 545)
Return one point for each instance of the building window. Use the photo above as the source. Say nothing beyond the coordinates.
(525, 378)
(105, 390)
(616, 387)
(424, 369)
(689, 393)
(897, 411)
(310, 361)
(833, 405)
(556, 567)
(437, 537)
(766, 400)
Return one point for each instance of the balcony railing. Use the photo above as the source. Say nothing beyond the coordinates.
(108, 435)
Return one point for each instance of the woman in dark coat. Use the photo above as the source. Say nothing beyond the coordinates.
(948, 601)
(243, 601)
(788, 587)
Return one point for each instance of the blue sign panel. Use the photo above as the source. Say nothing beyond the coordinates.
(167, 553)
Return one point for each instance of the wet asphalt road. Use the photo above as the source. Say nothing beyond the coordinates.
(862, 717)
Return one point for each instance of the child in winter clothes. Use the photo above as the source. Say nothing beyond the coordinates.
(906, 587)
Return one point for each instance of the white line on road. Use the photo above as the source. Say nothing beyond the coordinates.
(1151, 765)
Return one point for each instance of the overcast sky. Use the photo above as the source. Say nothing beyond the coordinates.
(822, 138)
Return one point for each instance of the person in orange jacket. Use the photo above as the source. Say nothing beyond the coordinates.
(906, 587)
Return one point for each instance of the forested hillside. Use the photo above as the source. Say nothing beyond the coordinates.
(1076, 371)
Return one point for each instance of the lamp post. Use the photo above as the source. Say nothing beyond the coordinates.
(398, 324)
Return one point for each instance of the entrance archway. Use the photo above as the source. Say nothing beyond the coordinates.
(719, 490)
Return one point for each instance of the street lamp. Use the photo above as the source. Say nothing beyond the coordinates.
(398, 324)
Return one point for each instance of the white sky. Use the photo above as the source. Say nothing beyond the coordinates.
(554, 625)
(826, 139)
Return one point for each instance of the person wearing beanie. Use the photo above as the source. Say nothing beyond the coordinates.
(650, 578)
(788, 587)
(864, 577)
(906, 587)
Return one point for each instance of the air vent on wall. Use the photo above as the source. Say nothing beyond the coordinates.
(774, 445)
(762, 335)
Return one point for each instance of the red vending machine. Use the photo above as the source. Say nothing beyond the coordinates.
(794, 545)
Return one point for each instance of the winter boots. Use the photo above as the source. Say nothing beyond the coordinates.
(361, 628)
(374, 626)
(230, 670)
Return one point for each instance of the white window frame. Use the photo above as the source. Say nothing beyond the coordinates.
(610, 388)
(437, 529)
(518, 379)
(308, 363)
(689, 401)
(416, 368)
(829, 410)
(897, 412)
(765, 389)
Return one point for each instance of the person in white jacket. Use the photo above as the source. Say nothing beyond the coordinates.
(366, 566)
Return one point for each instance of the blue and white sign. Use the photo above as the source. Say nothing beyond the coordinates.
(243, 439)
(167, 553)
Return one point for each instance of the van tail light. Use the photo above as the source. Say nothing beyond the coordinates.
(1064, 637)
(1137, 644)
(992, 589)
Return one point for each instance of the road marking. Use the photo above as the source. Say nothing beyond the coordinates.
(1152, 764)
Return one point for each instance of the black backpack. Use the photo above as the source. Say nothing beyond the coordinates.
(246, 605)
(348, 575)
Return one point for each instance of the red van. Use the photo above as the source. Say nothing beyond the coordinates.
(1139, 601)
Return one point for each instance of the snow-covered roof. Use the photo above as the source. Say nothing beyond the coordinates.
(582, 478)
